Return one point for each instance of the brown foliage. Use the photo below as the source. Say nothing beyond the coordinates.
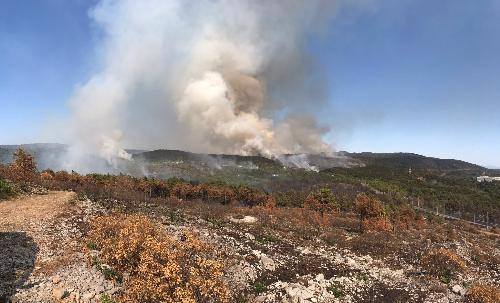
(404, 215)
(62, 176)
(483, 294)
(251, 196)
(368, 207)
(47, 175)
(270, 202)
(376, 224)
(371, 213)
(186, 191)
(217, 193)
(24, 162)
(322, 200)
(22, 169)
(290, 198)
(443, 263)
(130, 188)
(161, 268)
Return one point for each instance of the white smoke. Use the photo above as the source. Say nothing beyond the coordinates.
(206, 76)
(298, 161)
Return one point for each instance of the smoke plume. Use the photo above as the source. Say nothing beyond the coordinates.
(217, 76)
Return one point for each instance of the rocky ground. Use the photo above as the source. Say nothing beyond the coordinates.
(44, 256)
(281, 269)
(41, 258)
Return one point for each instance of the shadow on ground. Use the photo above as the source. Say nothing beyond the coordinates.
(17, 258)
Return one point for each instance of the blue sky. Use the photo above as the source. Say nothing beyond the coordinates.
(408, 75)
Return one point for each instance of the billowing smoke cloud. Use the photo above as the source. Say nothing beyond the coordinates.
(218, 76)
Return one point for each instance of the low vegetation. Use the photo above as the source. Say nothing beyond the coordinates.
(287, 226)
(443, 264)
(322, 200)
(481, 293)
(160, 267)
(371, 213)
(124, 187)
(6, 190)
(454, 192)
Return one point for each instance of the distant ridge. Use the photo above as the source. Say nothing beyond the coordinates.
(51, 151)
(414, 161)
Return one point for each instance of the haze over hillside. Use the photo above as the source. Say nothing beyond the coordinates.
(48, 156)
(446, 183)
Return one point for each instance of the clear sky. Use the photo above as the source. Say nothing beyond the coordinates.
(417, 76)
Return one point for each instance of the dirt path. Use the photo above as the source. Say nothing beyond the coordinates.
(27, 228)
(43, 219)
(28, 213)
(41, 243)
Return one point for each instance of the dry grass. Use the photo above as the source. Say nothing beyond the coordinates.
(443, 264)
(483, 294)
(160, 267)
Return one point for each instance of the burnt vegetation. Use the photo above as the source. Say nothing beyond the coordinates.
(373, 213)
(346, 214)
(160, 268)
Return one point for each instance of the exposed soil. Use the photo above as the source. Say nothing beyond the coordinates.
(41, 239)
(44, 256)
(29, 213)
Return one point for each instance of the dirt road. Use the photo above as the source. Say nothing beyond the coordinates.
(28, 213)
(30, 238)
(41, 250)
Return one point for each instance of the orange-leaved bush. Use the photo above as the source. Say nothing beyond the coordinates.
(322, 200)
(161, 268)
(24, 162)
(371, 213)
(23, 167)
(481, 293)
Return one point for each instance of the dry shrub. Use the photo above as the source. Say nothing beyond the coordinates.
(371, 214)
(404, 216)
(161, 268)
(270, 203)
(485, 258)
(186, 191)
(24, 163)
(47, 175)
(368, 207)
(443, 263)
(376, 224)
(209, 192)
(130, 188)
(217, 193)
(154, 187)
(22, 169)
(290, 198)
(483, 294)
(62, 176)
(322, 200)
(251, 196)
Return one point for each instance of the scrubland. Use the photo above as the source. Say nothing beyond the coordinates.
(154, 240)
